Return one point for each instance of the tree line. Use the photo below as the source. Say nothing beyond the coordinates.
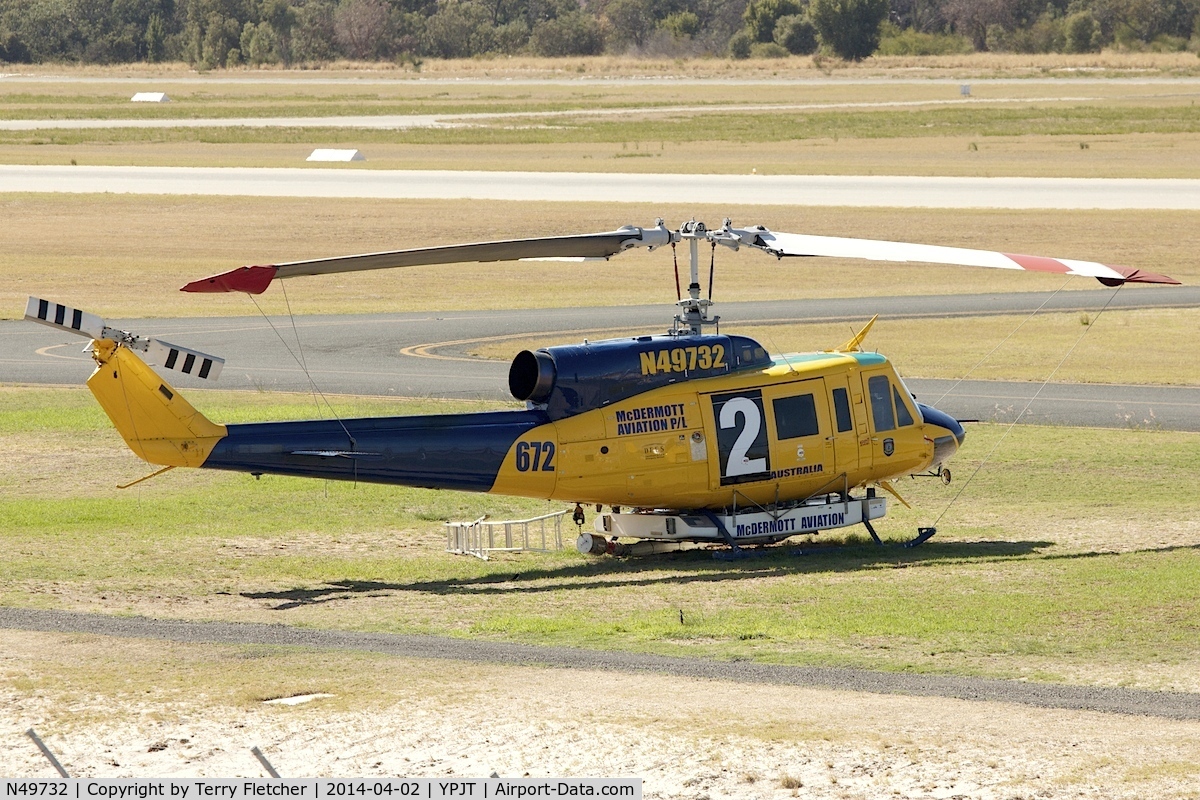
(224, 33)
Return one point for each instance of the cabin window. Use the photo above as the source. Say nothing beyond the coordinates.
(903, 416)
(841, 408)
(881, 403)
(796, 416)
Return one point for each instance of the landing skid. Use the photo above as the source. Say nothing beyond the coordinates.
(923, 536)
(662, 531)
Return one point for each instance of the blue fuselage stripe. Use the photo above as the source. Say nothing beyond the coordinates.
(445, 451)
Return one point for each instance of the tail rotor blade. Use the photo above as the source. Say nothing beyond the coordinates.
(182, 359)
(64, 318)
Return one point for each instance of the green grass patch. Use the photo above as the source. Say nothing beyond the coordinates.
(201, 106)
(1071, 555)
(1052, 118)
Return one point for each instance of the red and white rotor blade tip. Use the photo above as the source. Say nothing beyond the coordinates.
(798, 244)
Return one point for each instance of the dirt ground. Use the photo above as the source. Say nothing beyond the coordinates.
(684, 738)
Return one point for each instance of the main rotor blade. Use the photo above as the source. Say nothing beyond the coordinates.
(797, 244)
(256, 279)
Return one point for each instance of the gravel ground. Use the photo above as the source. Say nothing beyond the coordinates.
(685, 736)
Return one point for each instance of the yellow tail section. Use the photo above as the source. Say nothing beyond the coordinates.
(154, 419)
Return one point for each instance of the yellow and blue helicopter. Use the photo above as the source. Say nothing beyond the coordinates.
(698, 435)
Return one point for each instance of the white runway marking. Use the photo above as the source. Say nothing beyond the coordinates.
(790, 190)
(400, 121)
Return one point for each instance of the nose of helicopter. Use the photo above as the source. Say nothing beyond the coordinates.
(946, 445)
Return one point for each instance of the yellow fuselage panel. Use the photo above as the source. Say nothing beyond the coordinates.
(156, 422)
(764, 435)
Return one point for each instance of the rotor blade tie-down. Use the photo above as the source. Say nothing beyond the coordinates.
(712, 265)
(317, 389)
(675, 258)
(1013, 333)
(1021, 414)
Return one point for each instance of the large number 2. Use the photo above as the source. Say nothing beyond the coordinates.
(752, 422)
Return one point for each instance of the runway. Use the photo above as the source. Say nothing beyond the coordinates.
(426, 355)
(790, 190)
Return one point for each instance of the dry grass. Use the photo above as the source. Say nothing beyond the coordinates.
(126, 256)
(257, 94)
(1130, 156)
(342, 92)
(796, 67)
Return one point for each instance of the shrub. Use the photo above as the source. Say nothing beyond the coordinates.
(1165, 43)
(915, 43)
(459, 30)
(630, 22)
(682, 24)
(761, 16)
(575, 33)
(796, 34)
(1082, 33)
(739, 44)
(850, 28)
(768, 50)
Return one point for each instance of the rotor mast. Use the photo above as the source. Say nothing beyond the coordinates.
(694, 309)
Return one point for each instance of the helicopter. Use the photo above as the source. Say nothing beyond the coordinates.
(690, 435)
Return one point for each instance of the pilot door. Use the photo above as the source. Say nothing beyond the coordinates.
(890, 416)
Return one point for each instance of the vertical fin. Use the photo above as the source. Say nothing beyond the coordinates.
(157, 423)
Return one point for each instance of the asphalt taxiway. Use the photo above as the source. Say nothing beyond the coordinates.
(428, 354)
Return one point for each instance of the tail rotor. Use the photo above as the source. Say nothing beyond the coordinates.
(161, 353)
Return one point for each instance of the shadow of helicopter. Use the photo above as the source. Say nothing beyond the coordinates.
(694, 566)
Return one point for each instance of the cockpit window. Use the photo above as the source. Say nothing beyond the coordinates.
(903, 417)
(881, 403)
